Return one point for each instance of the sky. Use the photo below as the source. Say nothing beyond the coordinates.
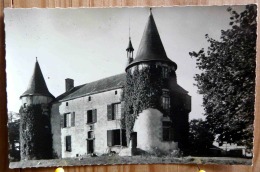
(90, 44)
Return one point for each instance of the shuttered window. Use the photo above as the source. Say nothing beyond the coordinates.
(91, 116)
(94, 111)
(62, 121)
(73, 119)
(116, 137)
(114, 111)
(109, 112)
(68, 143)
(110, 138)
(68, 117)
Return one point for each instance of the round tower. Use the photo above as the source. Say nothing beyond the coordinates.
(35, 128)
(157, 96)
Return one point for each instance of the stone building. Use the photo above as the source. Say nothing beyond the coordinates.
(86, 119)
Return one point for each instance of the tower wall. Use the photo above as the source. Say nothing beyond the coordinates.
(35, 132)
(35, 128)
(149, 130)
(28, 100)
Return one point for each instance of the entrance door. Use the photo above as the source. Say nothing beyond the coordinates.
(90, 146)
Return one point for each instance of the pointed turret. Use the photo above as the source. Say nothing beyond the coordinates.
(130, 46)
(37, 85)
(151, 47)
(130, 51)
(35, 119)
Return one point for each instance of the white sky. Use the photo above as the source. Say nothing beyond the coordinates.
(89, 44)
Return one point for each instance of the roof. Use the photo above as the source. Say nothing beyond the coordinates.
(102, 85)
(151, 47)
(106, 84)
(130, 46)
(37, 85)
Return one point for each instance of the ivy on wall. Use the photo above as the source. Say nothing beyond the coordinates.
(143, 89)
(35, 133)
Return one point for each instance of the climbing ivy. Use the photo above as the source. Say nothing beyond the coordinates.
(143, 89)
(35, 133)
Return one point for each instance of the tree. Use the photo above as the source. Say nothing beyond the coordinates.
(227, 78)
(200, 137)
(14, 140)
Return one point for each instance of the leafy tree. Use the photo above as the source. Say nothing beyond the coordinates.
(14, 140)
(200, 137)
(227, 78)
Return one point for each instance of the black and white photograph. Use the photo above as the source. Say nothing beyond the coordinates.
(106, 86)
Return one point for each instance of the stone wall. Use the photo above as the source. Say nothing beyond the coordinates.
(56, 130)
(149, 130)
(79, 132)
(36, 100)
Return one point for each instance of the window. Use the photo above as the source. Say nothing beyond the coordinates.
(166, 130)
(69, 119)
(67, 103)
(114, 111)
(68, 143)
(166, 102)
(142, 66)
(89, 98)
(115, 92)
(90, 146)
(116, 137)
(91, 116)
(165, 72)
(91, 127)
(73, 119)
(91, 135)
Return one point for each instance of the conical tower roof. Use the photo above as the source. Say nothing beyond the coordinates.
(130, 46)
(151, 47)
(37, 85)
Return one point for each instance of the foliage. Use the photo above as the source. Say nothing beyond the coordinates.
(141, 91)
(14, 140)
(35, 133)
(200, 137)
(227, 80)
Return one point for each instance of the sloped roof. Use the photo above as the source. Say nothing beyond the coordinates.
(37, 85)
(151, 47)
(98, 86)
(102, 85)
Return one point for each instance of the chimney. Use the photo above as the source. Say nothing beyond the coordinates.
(69, 84)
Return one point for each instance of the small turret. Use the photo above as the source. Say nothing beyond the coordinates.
(37, 91)
(130, 51)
